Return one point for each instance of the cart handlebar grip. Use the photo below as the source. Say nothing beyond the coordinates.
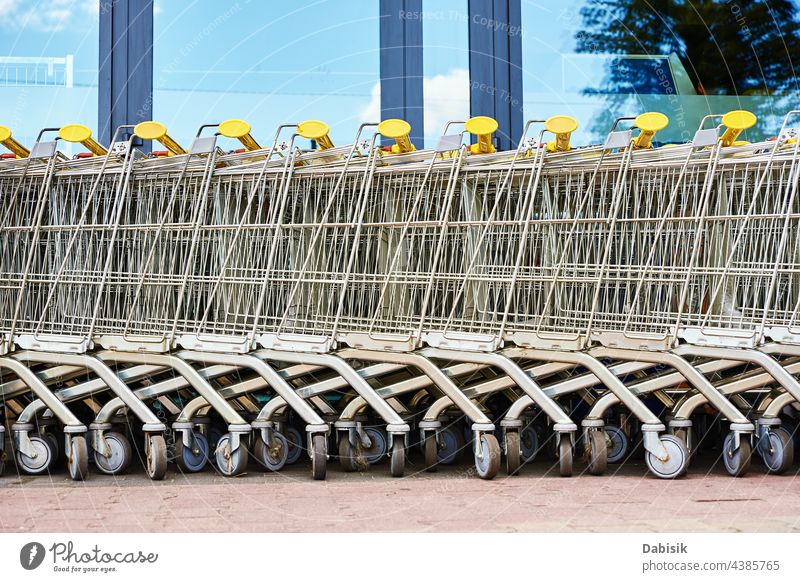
(483, 127)
(649, 123)
(13, 145)
(239, 129)
(153, 130)
(736, 122)
(77, 133)
(562, 126)
(316, 130)
(398, 130)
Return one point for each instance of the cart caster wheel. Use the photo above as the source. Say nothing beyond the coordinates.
(214, 435)
(273, 458)
(378, 447)
(296, 445)
(350, 457)
(617, 443)
(119, 459)
(430, 449)
(791, 429)
(565, 455)
(40, 463)
(55, 444)
(187, 460)
(780, 457)
(529, 444)
(488, 464)
(397, 462)
(597, 452)
(319, 457)
(78, 461)
(230, 463)
(779, 452)
(452, 443)
(156, 457)
(736, 462)
(512, 452)
(677, 460)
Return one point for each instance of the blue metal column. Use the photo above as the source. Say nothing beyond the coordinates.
(401, 64)
(125, 87)
(495, 66)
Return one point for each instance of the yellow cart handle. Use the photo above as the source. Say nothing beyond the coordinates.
(483, 128)
(649, 123)
(398, 130)
(736, 122)
(238, 129)
(316, 130)
(77, 133)
(562, 126)
(13, 145)
(153, 130)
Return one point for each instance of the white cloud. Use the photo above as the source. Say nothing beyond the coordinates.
(90, 6)
(372, 112)
(446, 97)
(7, 5)
(48, 16)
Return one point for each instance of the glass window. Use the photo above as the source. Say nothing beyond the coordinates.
(48, 65)
(600, 59)
(445, 32)
(267, 63)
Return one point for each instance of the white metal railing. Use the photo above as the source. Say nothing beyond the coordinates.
(49, 71)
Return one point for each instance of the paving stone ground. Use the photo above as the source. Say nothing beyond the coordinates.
(450, 500)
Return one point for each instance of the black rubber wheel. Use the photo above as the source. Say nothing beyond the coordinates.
(430, 448)
(187, 460)
(319, 457)
(675, 464)
(780, 452)
(349, 456)
(597, 452)
(617, 443)
(528, 444)
(488, 464)
(378, 446)
(230, 463)
(272, 458)
(565, 455)
(296, 445)
(56, 443)
(78, 461)
(737, 462)
(39, 464)
(156, 448)
(451, 445)
(512, 452)
(397, 461)
(120, 457)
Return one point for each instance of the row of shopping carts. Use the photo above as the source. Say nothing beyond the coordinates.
(214, 305)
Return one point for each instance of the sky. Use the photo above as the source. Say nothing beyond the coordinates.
(267, 62)
(278, 62)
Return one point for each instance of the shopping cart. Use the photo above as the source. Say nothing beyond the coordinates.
(370, 287)
(50, 328)
(253, 290)
(25, 183)
(666, 284)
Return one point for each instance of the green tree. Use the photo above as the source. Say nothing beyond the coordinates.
(727, 47)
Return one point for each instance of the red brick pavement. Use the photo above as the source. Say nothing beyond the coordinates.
(447, 501)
